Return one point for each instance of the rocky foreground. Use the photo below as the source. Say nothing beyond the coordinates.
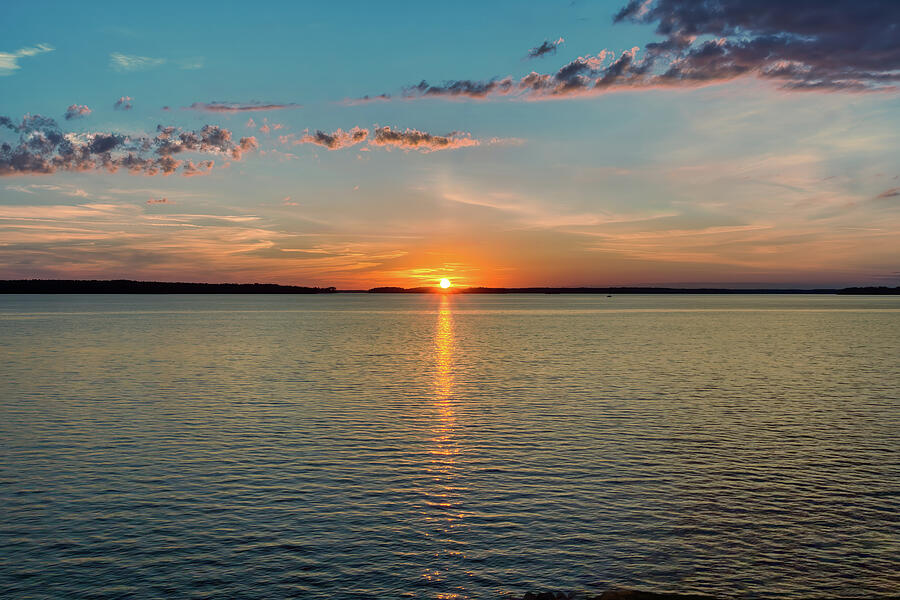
(626, 594)
(614, 594)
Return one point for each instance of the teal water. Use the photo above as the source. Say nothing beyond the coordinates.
(361, 446)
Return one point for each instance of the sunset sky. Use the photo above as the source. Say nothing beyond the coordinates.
(565, 143)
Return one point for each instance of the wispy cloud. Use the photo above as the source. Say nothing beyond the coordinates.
(124, 63)
(9, 61)
(34, 188)
(230, 107)
(93, 240)
(75, 111)
(191, 64)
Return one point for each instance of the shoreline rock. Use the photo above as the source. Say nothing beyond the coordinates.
(614, 594)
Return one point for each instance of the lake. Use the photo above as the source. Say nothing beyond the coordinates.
(355, 446)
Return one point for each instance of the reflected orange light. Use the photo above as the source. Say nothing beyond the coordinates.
(443, 350)
(444, 511)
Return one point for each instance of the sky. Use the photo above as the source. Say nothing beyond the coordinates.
(505, 143)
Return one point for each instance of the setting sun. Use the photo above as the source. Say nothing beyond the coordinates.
(445, 283)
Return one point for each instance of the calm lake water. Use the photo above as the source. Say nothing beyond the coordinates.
(360, 446)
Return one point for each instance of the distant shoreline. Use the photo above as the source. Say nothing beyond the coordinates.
(126, 286)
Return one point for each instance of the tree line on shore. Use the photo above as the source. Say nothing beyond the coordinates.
(127, 286)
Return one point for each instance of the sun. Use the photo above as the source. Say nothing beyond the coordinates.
(445, 283)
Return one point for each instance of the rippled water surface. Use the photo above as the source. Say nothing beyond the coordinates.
(355, 446)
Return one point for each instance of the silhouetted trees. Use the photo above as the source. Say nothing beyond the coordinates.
(126, 286)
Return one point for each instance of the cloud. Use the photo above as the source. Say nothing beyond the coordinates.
(33, 188)
(123, 103)
(413, 139)
(9, 61)
(208, 139)
(385, 137)
(835, 45)
(891, 193)
(546, 47)
(583, 75)
(189, 169)
(76, 111)
(228, 107)
(803, 46)
(125, 63)
(159, 201)
(191, 64)
(266, 127)
(336, 140)
(43, 148)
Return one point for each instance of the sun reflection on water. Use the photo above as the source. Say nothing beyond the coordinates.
(444, 502)
(443, 350)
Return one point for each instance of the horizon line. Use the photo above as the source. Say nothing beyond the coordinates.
(125, 286)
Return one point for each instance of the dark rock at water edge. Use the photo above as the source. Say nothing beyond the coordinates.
(628, 594)
(613, 594)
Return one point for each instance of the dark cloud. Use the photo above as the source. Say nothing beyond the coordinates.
(577, 76)
(413, 139)
(546, 47)
(159, 201)
(77, 110)
(42, 147)
(803, 45)
(337, 139)
(238, 106)
(370, 99)
(123, 103)
(385, 137)
(891, 193)
(462, 88)
(208, 139)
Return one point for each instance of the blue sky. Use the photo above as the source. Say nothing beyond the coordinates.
(724, 158)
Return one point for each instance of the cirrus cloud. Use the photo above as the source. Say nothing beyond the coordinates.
(9, 61)
(125, 63)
